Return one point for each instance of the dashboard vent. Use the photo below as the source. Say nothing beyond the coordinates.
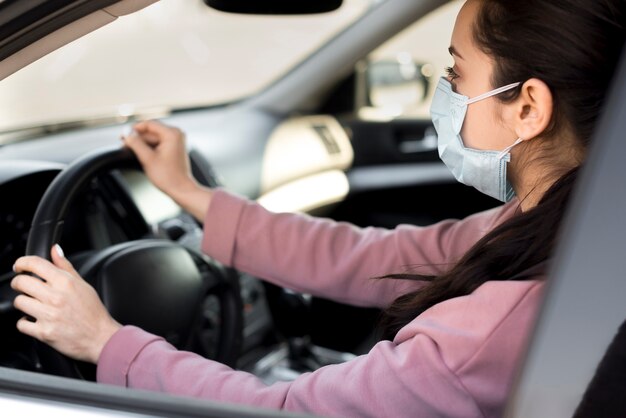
(327, 138)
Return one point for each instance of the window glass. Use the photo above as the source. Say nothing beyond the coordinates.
(172, 54)
(403, 72)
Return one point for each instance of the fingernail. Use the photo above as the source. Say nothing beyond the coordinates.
(59, 250)
(14, 269)
(129, 131)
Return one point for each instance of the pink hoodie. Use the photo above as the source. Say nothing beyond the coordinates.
(457, 359)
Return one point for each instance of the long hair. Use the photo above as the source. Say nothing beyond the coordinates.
(573, 46)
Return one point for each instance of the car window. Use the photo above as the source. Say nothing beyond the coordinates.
(172, 54)
(404, 71)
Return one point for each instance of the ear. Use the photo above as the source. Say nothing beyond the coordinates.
(533, 109)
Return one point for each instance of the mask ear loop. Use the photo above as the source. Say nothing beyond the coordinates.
(509, 148)
(492, 93)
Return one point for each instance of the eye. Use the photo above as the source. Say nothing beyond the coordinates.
(452, 75)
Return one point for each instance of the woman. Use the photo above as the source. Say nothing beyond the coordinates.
(537, 73)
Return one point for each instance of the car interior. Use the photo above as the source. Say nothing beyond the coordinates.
(326, 161)
(322, 139)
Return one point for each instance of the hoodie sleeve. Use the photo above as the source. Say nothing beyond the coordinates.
(331, 259)
(458, 359)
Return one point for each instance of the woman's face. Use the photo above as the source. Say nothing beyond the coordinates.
(485, 126)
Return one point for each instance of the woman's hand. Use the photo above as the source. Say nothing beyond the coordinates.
(162, 153)
(68, 313)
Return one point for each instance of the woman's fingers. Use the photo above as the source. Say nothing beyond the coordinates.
(59, 260)
(163, 155)
(149, 136)
(37, 266)
(25, 326)
(31, 286)
(158, 135)
(45, 291)
(30, 306)
(157, 129)
(39, 329)
(68, 313)
(51, 272)
(143, 151)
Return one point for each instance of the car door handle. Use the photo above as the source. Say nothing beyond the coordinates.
(414, 145)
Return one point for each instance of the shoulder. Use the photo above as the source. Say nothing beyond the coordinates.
(455, 237)
(489, 219)
(481, 338)
(462, 326)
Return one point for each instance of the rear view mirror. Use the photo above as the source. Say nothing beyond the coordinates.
(393, 87)
(275, 7)
(401, 82)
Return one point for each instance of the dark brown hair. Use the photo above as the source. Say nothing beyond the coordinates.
(573, 46)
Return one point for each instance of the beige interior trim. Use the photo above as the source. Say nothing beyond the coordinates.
(68, 34)
(308, 193)
(295, 150)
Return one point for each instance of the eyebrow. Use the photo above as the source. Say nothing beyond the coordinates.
(452, 50)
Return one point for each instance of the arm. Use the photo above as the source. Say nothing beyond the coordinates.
(333, 259)
(393, 379)
(163, 155)
(322, 257)
(457, 359)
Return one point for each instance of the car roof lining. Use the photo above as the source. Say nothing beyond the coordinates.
(66, 34)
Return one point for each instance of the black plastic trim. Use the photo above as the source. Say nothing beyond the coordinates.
(33, 22)
(275, 7)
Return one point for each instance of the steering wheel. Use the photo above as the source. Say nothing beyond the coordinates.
(156, 284)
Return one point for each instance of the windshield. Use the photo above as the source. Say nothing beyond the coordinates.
(173, 54)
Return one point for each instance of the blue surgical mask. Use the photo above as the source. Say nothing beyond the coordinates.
(484, 170)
